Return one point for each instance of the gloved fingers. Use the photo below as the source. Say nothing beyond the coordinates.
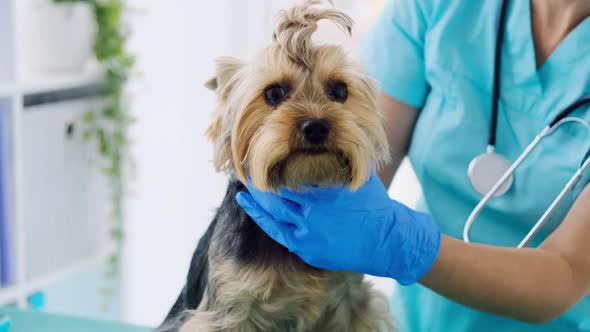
(280, 232)
(266, 199)
(288, 212)
(302, 197)
(261, 196)
(296, 197)
(284, 210)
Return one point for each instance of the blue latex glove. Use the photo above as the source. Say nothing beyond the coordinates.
(336, 229)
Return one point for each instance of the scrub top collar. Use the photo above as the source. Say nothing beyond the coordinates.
(519, 50)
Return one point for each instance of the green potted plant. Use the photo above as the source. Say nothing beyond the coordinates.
(109, 129)
(55, 38)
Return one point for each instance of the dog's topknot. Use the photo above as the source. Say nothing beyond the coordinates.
(296, 25)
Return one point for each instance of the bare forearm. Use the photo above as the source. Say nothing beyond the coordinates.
(533, 285)
(387, 172)
(399, 121)
(527, 284)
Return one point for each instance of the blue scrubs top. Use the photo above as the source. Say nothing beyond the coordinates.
(437, 55)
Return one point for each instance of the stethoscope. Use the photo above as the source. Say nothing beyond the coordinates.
(491, 174)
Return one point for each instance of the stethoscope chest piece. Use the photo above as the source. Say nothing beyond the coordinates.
(486, 169)
(491, 174)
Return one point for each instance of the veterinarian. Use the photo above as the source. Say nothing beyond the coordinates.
(435, 62)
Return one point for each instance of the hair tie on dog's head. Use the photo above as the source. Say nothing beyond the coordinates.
(296, 26)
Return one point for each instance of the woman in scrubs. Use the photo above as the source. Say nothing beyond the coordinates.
(434, 62)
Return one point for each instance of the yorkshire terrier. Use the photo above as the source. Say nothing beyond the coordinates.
(298, 114)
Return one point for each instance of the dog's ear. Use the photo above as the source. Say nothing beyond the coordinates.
(211, 83)
(226, 77)
(226, 69)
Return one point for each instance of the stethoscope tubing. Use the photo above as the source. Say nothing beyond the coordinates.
(484, 201)
(543, 220)
(570, 109)
(497, 75)
(561, 118)
(548, 130)
(497, 81)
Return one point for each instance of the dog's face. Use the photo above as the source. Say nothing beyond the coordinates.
(297, 114)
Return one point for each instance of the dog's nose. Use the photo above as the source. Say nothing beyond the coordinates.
(315, 131)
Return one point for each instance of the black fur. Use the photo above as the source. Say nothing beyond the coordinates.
(240, 239)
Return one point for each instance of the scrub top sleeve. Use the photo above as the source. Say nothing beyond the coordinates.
(393, 52)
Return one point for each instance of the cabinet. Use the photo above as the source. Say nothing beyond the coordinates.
(57, 202)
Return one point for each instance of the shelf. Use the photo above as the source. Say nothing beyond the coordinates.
(7, 90)
(51, 82)
(59, 74)
(59, 81)
(12, 294)
(38, 284)
(8, 295)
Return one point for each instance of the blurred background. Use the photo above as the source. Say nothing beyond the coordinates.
(106, 183)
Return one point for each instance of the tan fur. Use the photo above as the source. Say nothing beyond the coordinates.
(246, 131)
(254, 139)
(249, 299)
(296, 26)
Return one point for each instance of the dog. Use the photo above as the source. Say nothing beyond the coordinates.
(298, 114)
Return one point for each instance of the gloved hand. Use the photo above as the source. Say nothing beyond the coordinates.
(336, 229)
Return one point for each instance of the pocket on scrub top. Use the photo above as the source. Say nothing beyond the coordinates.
(425, 132)
(450, 131)
(551, 165)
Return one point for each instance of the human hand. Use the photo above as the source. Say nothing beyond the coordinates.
(338, 229)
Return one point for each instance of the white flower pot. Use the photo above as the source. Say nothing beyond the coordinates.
(55, 37)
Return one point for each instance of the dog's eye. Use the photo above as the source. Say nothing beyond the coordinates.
(276, 94)
(337, 91)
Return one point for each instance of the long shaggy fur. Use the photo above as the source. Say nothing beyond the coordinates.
(296, 26)
(240, 280)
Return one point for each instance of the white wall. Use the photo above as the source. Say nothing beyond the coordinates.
(176, 188)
